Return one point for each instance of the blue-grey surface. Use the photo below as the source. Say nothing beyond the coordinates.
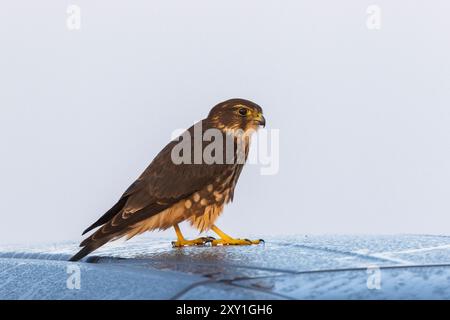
(297, 267)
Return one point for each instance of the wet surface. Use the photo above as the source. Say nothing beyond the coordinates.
(297, 267)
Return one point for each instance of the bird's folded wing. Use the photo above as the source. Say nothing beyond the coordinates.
(161, 185)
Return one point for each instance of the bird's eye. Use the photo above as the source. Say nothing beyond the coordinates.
(243, 111)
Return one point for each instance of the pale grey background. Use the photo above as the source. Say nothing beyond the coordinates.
(363, 115)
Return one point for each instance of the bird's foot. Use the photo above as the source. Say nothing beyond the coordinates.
(195, 242)
(235, 242)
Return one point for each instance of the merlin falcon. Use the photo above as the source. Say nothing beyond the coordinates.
(168, 192)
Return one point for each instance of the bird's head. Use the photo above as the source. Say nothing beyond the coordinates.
(237, 114)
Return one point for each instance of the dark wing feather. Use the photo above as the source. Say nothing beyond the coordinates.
(160, 186)
(108, 215)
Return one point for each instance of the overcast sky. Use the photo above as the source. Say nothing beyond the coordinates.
(364, 115)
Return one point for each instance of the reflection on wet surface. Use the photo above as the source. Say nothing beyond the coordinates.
(288, 267)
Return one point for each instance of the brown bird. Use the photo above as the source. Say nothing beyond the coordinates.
(169, 191)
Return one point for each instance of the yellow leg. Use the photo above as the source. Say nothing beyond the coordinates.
(181, 241)
(226, 240)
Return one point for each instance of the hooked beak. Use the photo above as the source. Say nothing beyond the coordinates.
(261, 120)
